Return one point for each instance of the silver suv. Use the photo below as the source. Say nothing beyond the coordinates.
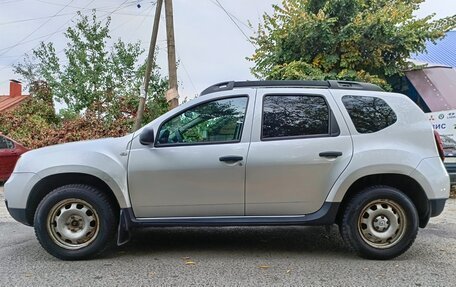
(244, 153)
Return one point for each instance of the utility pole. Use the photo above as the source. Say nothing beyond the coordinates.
(172, 94)
(150, 64)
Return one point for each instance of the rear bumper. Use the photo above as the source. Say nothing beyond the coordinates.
(436, 206)
(451, 169)
(433, 178)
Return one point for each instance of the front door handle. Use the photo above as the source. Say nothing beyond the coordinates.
(330, 154)
(231, 158)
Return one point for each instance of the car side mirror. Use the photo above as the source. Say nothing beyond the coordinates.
(147, 136)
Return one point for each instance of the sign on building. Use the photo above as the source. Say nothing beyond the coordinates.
(444, 122)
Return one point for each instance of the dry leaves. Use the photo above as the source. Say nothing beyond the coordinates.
(188, 261)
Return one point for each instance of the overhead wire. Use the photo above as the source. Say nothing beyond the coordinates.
(186, 72)
(234, 16)
(115, 10)
(32, 19)
(10, 1)
(63, 27)
(32, 40)
(66, 14)
(104, 17)
(47, 37)
(144, 15)
(162, 17)
(34, 31)
(217, 3)
(133, 2)
(181, 61)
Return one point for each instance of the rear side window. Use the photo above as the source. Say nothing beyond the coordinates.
(369, 114)
(294, 116)
(5, 143)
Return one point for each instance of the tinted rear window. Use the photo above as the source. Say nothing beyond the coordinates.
(294, 116)
(369, 114)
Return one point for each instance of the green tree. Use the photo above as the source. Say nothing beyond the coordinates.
(365, 40)
(93, 77)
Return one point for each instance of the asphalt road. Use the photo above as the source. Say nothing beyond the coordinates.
(274, 256)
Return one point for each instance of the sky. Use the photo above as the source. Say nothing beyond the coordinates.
(211, 46)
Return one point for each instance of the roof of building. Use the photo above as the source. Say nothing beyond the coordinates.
(8, 102)
(443, 52)
(436, 86)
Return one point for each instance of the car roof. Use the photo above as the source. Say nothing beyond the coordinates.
(330, 84)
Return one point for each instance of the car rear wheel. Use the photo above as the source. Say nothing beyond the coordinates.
(379, 222)
(75, 222)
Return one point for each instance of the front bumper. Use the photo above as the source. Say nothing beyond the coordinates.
(18, 187)
(17, 191)
(19, 214)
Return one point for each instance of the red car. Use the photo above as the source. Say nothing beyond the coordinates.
(10, 151)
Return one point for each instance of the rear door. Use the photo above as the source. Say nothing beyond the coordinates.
(8, 157)
(300, 146)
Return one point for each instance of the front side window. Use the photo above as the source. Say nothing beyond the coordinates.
(294, 116)
(6, 143)
(369, 114)
(218, 121)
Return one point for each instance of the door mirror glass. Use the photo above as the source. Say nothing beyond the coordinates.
(147, 136)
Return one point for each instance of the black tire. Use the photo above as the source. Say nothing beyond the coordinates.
(372, 216)
(83, 222)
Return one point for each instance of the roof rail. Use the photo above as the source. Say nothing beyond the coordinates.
(331, 84)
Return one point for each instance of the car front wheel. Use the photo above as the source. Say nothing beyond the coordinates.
(75, 222)
(379, 222)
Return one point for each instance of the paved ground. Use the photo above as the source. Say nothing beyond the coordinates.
(285, 256)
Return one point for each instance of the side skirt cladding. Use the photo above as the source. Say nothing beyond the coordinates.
(326, 215)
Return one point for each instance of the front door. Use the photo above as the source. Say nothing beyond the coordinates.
(197, 165)
(300, 146)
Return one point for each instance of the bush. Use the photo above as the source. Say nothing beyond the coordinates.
(35, 129)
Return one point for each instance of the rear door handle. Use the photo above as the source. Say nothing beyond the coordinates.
(330, 154)
(231, 158)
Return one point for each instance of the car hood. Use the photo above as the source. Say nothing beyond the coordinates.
(66, 153)
(88, 145)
